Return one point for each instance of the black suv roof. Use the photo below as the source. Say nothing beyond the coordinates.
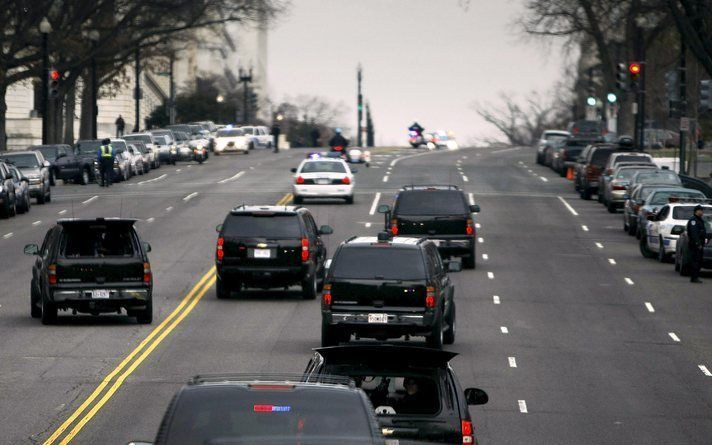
(69, 221)
(282, 210)
(429, 187)
(400, 241)
(385, 353)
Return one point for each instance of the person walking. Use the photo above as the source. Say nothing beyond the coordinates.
(120, 125)
(106, 162)
(275, 134)
(696, 239)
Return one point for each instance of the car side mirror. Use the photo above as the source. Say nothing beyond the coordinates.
(325, 230)
(218, 228)
(293, 169)
(31, 249)
(146, 246)
(475, 208)
(46, 164)
(476, 396)
(454, 266)
(677, 230)
(384, 208)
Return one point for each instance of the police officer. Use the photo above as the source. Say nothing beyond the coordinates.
(696, 238)
(105, 157)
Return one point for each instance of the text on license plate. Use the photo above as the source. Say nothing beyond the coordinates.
(100, 294)
(262, 253)
(378, 318)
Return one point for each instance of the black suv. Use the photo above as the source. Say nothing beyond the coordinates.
(268, 247)
(8, 206)
(92, 266)
(381, 287)
(415, 391)
(242, 409)
(438, 212)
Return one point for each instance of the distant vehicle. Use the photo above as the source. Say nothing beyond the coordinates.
(383, 287)
(551, 151)
(663, 229)
(633, 157)
(35, 168)
(438, 212)
(22, 189)
(387, 373)
(165, 140)
(67, 164)
(320, 177)
(441, 139)
(231, 139)
(356, 155)
(617, 187)
(247, 409)
(151, 148)
(655, 176)
(91, 266)
(136, 158)
(593, 158)
(585, 129)
(634, 200)
(8, 199)
(257, 136)
(52, 153)
(415, 139)
(268, 247)
(565, 156)
(184, 150)
(547, 137)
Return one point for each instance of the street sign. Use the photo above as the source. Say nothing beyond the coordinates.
(684, 124)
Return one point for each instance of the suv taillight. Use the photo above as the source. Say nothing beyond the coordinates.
(326, 296)
(219, 252)
(305, 250)
(52, 274)
(147, 273)
(468, 434)
(430, 297)
(470, 229)
(394, 227)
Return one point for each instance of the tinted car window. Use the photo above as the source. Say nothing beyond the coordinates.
(259, 226)
(48, 152)
(22, 160)
(659, 177)
(627, 173)
(388, 263)
(230, 133)
(662, 197)
(601, 155)
(323, 166)
(146, 139)
(555, 137)
(631, 158)
(87, 147)
(432, 202)
(96, 241)
(216, 415)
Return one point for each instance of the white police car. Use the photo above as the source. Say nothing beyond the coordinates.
(323, 177)
(663, 228)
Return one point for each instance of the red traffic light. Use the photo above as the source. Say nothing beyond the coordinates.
(634, 68)
(54, 75)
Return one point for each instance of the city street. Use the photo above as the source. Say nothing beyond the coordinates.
(573, 334)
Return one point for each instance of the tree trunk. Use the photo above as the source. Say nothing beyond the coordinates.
(55, 116)
(69, 107)
(85, 123)
(3, 112)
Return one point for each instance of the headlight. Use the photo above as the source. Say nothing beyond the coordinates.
(35, 180)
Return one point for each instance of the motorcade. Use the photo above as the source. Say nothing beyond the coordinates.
(267, 247)
(91, 266)
(33, 166)
(357, 155)
(663, 229)
(231, 140)
(323, 177)
(438, 212)
(416, 394)
(415, 139)
(388, 287)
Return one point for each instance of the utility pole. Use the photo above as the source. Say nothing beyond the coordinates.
(45, 29)
(369, 127)
(137, 92)
(359, 136)
(683, 101)
(171, 92)
(245, 79)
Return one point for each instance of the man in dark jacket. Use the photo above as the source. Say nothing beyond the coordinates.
(696, 238)
(275, 136)
(120, 125)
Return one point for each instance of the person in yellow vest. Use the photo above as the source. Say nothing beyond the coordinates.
(105, 157)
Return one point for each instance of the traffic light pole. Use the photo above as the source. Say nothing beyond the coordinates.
(246, 79)
(359, 136)
(683, 102)
(137, 55)
(45, 88)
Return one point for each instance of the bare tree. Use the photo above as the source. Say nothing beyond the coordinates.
(693, 19)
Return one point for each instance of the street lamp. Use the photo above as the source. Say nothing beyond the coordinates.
(45, 29)
(220, 99)
(93, 36)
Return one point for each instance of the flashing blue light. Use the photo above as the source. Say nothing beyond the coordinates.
(229, 126)
(314, 156)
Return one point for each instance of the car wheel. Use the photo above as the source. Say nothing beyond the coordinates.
(350, 199)
(309, 287)
(5, 212)
(644, 250)
(586, 193)
(49, 312)
(677, 262)
(84, 180)
(41, 198)
(297, 200)
(470, 261)
(23, 208)
(599, 196)
(662, 256)
(48, 198)
(449, 335)
(52, 177)
(329, 336)
(611, 207)
(28, 202)
(13, 208)
(35, 309)
(632, 229)
(435, 338)
(222, 290)
(145, 316)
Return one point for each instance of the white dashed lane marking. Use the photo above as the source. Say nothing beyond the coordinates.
(480, 240)
(568, 206)
(612, 261)
(92, 199)
(8, 235)
(504, 330)
(629, 281)
(150, 220)
(385, 178)
(599, 245)
(472, 198)
(674, 336)
(490, 275)
(374, 205)
(464, 178)
(585, 228)
(544, 179)
(62, 212)
(495, 299)
(191, 196)
(523, 406)
(234, 177)
(153, 180)
(168, 209)
(37, 223)
(485, 256)
(704, 370)
(512, 362)
(649, 307)
(368, 225)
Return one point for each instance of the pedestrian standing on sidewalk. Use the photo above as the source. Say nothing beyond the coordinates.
(696, 238)
(120, 125)
(275, 134)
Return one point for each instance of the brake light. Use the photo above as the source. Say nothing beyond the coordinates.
(470, 230)
(219, 252)
(326, 295)
(346, 180)
(300, 180)
(618, 187)
(430, 297)
(147, 273)
(394, 227)
(305, 250)
(468, 434)
(52, 274)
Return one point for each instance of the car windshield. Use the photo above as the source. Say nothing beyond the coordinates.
(555, 137)
(146, 139)
(47, 152)
(23, 160)
(230, 133)
(386, 263)
(662, 197)
(631, 158)
(87, 147)
(430, 202)
(96, 241)
(221, 415)
(323, 167)
(268, 225)
(658, 177)
(685, 212)
(627, 173)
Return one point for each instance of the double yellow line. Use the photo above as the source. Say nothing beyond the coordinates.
(98, 398)
(286, 199)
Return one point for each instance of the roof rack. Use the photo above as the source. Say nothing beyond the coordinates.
(247, 378)
(430, 187)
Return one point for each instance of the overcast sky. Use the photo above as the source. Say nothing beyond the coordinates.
(423, 59)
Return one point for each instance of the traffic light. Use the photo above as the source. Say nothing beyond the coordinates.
(634, 70)
(622, 77)
(591, 101)
(705, 104)
(54, 78)
(612, 98)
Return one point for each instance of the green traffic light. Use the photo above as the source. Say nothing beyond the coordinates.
(612, 98)
(591, 101)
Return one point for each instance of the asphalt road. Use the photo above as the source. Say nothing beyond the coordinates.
(576, 338)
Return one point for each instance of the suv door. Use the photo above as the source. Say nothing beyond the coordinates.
(315, 239)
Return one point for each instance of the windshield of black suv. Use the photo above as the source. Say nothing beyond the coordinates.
(268, 225)
(96, 241)
(49, 153)
(430, 202)
(630, 158)
(88, 147)
(218, 414)
(24, 160)
(384, 263)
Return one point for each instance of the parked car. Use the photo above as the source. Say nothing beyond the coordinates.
(620, 157)
(655, 176)
(147, 156)
(682, 250)
(659, 198)
(546, 138)
(52, 153)
(136, 160)
(551, 151)
(91, 266)
(257, 137)
(594, 157)
(663, 229)
(148, 141)
(7, 192)
(585, 129)
(33, 166)
(635, 198)
(268, 247)
(66, 164)
(565, 156)
(165, 140)
(22, 189)
(617, 187)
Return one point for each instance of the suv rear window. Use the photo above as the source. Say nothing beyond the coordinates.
(431, 202)
(631, 158)
(96, 241)
(269, 225)
(230, 415)
(601, 155)
(387, 263)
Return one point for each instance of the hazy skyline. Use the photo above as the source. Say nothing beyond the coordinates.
(423, 59)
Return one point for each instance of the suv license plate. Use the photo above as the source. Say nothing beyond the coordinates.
(261, 253)
(100, 294)
(378, 318)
